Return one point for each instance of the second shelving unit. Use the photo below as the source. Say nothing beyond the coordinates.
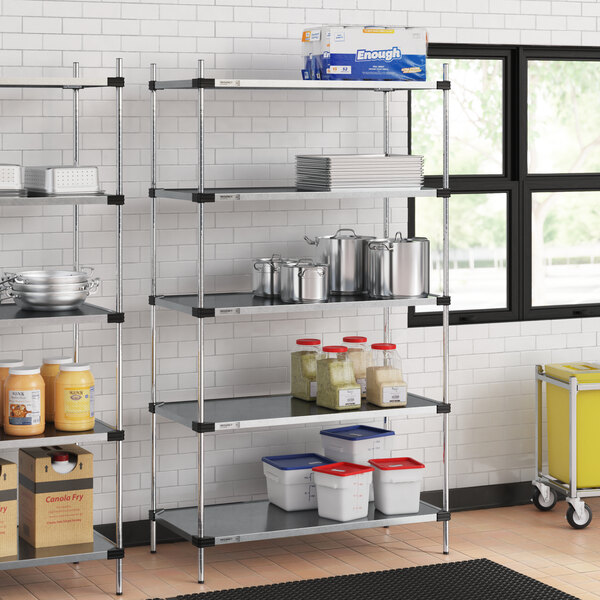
(10, 315)
(207, 526)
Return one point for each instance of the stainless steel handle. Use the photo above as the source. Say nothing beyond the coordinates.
(345, 229)
(398, 237)
(310, 241)
(93, 285)
(379, 246)
(320, 271)
(88, 270)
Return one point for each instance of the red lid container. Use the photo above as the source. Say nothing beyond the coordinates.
(396, 464)
(355, 339)
(338, 349)
(308, 342)
(383, 346)
(343, 469)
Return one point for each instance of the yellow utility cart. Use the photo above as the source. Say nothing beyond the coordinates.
(572, 393)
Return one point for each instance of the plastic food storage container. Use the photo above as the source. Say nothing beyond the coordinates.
(5, 365)
(397, 484)
(357, 444)
(385, 385)
(74, 398)
(336, 387)
(360, 357)
(290, 480)
(24, 402)
(343, 490)
(49, 371)
(304, 368)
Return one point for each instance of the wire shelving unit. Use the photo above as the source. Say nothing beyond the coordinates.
(207, 526)
(10, 315)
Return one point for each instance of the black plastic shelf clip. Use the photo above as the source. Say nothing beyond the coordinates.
(115, 199)
(443, 85)
(443, 301)
(443, 408)
(117, 317)
(203, 427)
(203, 542)
(203, 313)
(443, 515)
(116, 82)
(443, 193)
(114, 553)
(116, 435)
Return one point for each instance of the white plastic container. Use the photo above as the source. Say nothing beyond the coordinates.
(290, 480)
(397, 483)
(357, 443)
(343, 491)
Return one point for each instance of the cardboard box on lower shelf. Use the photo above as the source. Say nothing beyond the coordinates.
(56, 504)
(8, 508)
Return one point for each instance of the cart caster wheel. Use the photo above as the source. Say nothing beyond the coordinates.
(575, 522)
(539, 503)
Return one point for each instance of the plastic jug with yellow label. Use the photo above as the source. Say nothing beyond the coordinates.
(588, 424)
(74, 398)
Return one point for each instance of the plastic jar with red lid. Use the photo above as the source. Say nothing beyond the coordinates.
(336, 386)
(360, 357)
(385, 383)
(304, 368)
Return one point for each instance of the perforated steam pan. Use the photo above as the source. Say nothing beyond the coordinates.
(55, 181)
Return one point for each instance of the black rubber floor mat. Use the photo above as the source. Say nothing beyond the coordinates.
(479, 579)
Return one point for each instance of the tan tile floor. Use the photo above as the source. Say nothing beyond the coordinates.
(540, 545)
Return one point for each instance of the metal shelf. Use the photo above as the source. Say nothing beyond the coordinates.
(261, 520)
(66, 83)
(246, 303)
(73, 199)
(102, 432)
(294, 84)
(285, 193)
(86, 313)
(28, 556)
(275, 411)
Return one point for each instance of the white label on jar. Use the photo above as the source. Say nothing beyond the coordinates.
(24, 407)
(230, 82)
(363, 385)
(395, 394)
(349, 397)
(313, 389)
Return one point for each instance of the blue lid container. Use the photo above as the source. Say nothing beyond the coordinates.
(293, 462)
(356, 433)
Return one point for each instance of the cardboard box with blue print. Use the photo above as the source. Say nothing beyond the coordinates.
(8, 508)
(368, 53)
(56, 496)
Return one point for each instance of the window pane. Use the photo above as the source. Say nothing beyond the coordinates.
(565, 248)
(475, 118)
(563, 118)
(477, 248)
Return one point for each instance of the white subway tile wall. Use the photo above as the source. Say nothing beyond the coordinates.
(251, 137)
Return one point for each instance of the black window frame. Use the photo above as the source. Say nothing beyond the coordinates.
(515, 181)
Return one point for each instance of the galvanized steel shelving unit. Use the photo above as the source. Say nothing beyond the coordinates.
(102, 547)
(207, 526)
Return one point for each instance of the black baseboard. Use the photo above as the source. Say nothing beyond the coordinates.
(137, 533)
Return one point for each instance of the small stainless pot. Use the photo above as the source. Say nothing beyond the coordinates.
(304, 281)
(266, 275)
(398, 267)
(345, 253)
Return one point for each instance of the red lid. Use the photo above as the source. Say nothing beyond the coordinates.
(355, 339)
(343, 469)
(383, 346)
(60, 457)
(396, 464)
(335, 349)
(308, 342)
